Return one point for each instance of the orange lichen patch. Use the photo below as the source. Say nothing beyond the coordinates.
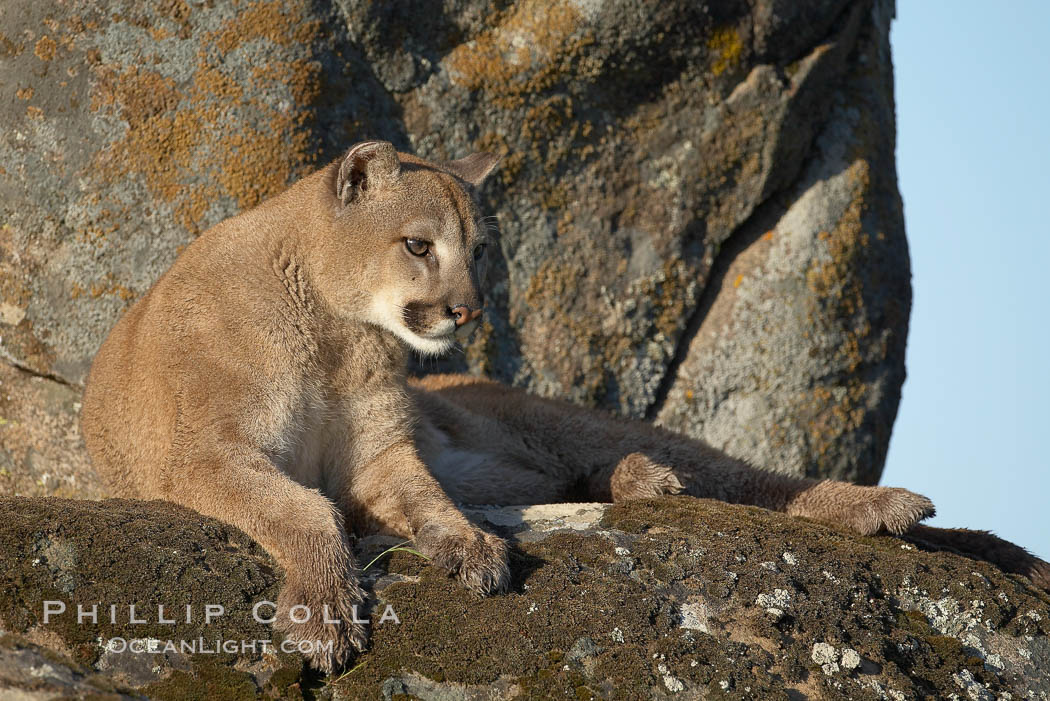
(544, 123)
(251, 152)
(108, 287)
(527, 49)
(833, 417)
(155, 139)
(547, 118)
(99, 225)
(212, 81)
(282, 24)
(141, 94)
(45, 48)
(75, 24)
(8, 48)
(726, 48)
(177, 10)
(25, 93)
(302, 76)
(553, 283)
(179, 138)
(34, 112)
(669, 296)
(550, 130)
(739, 279)
(768, 236)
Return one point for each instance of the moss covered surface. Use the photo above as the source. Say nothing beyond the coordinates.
(682, 594)
(144, 554)
(658, 597)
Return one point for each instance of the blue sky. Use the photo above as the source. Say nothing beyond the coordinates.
(973, 159)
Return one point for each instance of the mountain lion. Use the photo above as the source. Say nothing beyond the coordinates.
(262, 381)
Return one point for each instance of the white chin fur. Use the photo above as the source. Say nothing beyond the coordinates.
(384, 316)
(425, 346)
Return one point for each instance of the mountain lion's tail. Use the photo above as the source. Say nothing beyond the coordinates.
(982, 545)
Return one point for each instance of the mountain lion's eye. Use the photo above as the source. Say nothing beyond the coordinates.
(479, 251)
(417, 247)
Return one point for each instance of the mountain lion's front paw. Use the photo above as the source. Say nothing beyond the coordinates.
(321, 620)
(476, 558)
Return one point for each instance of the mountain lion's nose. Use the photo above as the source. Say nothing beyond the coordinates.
(464, 314)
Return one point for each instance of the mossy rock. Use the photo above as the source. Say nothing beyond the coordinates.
(652, 599)
(116, 553)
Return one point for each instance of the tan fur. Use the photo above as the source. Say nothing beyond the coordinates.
(524, 449)
(262, 381)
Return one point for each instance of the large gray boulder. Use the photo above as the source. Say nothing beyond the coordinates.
(795, 359)
(700, 221)
(657, 599)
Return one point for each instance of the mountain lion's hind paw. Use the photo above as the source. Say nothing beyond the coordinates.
(636, 476)
(895, 510)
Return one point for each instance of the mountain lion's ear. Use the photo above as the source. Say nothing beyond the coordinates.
(368, 165)
(474, 168)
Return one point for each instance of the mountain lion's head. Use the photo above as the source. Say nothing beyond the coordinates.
(409, 242)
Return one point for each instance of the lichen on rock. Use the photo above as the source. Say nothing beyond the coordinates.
(699, 225)
(643, 144)
(638, 600)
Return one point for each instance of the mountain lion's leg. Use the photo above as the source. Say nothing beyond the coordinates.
(605, 458)
(657, 457)
(298, 526)
(394, 492)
